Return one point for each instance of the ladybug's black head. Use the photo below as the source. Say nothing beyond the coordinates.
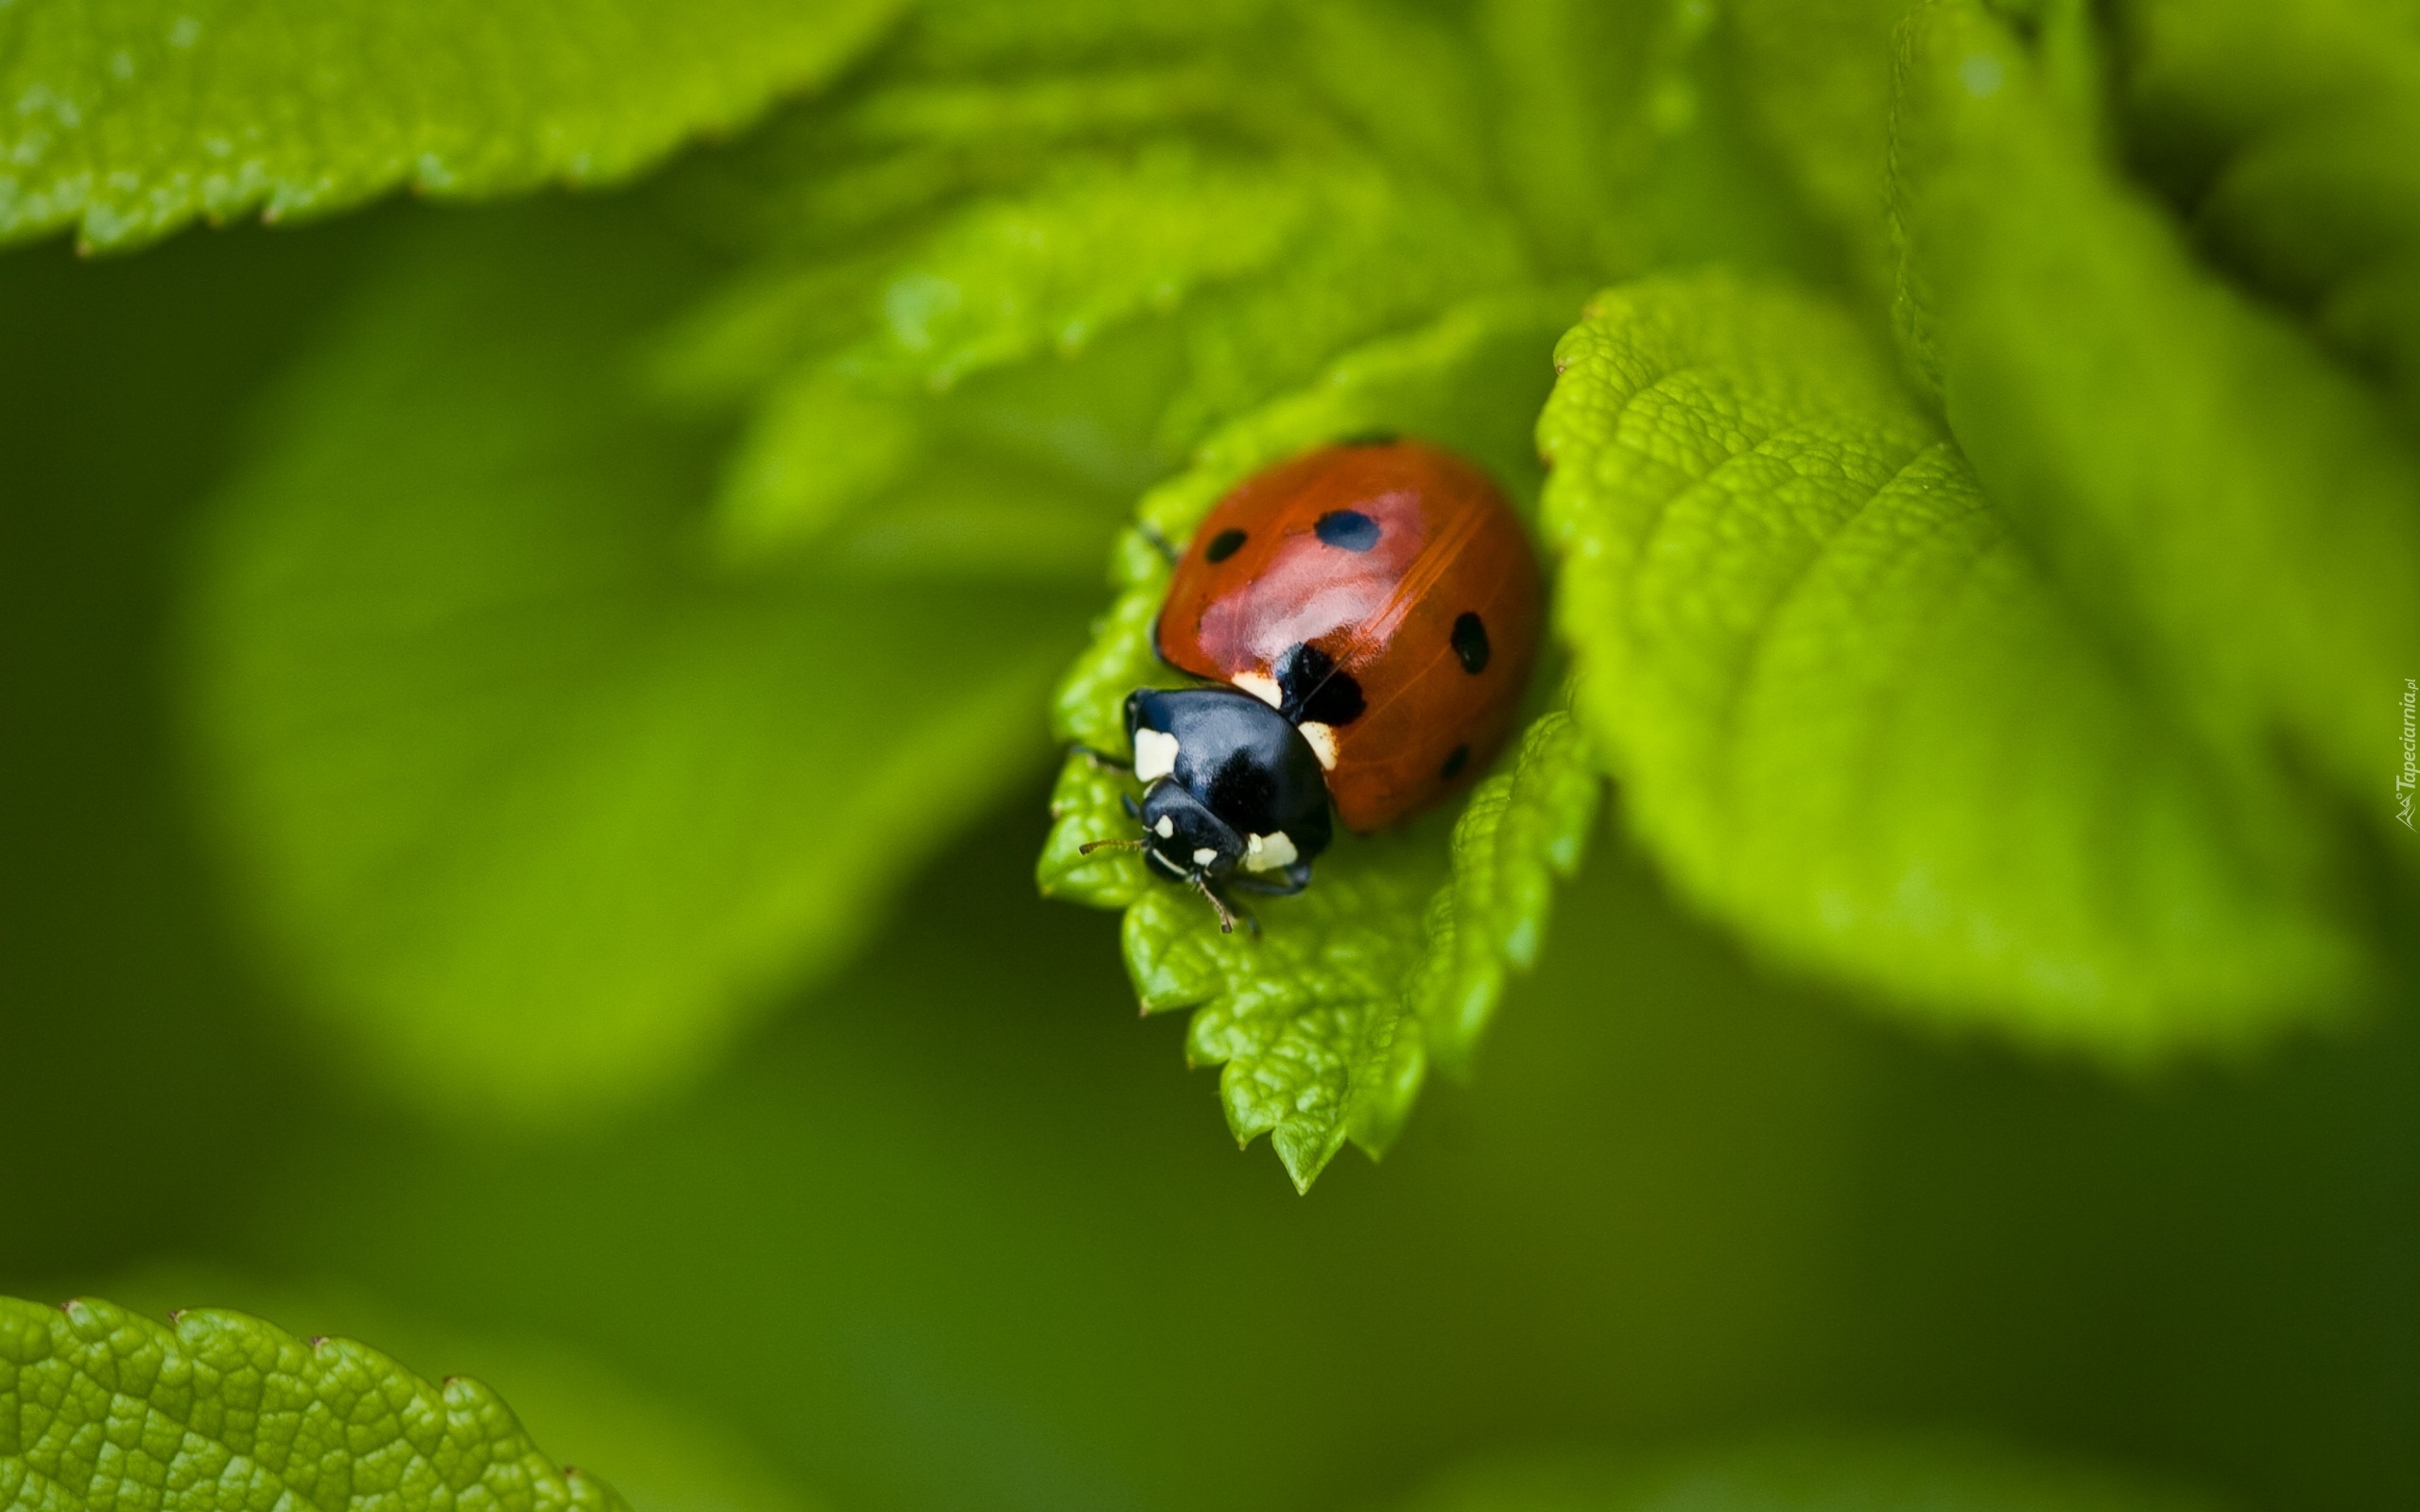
(1231, 789)
(1184, 840)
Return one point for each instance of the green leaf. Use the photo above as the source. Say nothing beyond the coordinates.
(2233, 510)
(1326, 1020)
(1816, 78)
(1157, 298)
(665, 1455)
(1014, 279)
(2284, 131)
(1871, 1475)
(1565, 80)
(1024, 474)
(1852, 721)
(132, 117)
(542, 806)
(99, 1408)
(1521, 831)
(1155, 243)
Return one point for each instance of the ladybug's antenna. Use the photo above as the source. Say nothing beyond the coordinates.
(1226, 916)
(1090, 846)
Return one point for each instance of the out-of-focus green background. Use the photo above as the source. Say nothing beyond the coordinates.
(954, 1229)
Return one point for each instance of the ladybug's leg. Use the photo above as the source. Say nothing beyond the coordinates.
(1159, 542)
(1227, 913)
(1289, 881)
(1134, 810)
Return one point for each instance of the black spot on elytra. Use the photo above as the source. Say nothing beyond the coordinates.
(1347, 529)
(1454, 763)
(1470, 643)
(1223, 545)
(1310, 690)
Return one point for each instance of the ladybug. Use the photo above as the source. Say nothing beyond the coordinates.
(1363, 619)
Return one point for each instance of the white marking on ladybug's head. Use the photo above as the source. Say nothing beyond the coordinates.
(1165, 829)
(1205, 856)
(1260, 685)
(1268, 853)
(1154, 754)
(1323, 742)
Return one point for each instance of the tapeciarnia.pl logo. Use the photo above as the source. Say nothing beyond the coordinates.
(2410, 773)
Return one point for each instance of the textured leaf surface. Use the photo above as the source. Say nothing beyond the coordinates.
(1521, 831)
(1808, 1475)
(1853, 721)
(130, 118)
(664, 1454)
(543, 806)
(99, 1408)
(2235, 510)
(1326, 1023)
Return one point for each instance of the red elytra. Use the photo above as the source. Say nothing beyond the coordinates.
(1385, 597)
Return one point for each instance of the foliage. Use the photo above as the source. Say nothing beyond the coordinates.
(1852, 717)
(127, 118)
(971, 305)
(530, 787)
(931, 334)
(1981, 520)
(1327, 1018)
(2202, 455)
(2278, 125)
(664, 1455)
(101, 1408)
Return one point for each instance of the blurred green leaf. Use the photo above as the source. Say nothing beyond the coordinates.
(1853, 722)
(1326, 1020)
(130, 118)
(1342, 250)
(2235, 511)
(1866, 1473)
(1014, 279)
(1159, 228)
(1816, 78)
(2286, 132)
(100, 1408)
(1243, 275)
(542, 806)
(1023, 474)
(1565, 78)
